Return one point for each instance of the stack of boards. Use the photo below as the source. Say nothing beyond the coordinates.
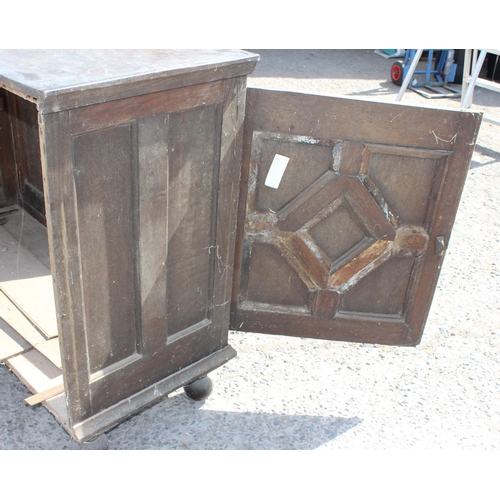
(28, 323)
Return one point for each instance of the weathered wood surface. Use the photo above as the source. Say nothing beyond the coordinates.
(344, 248)
(140, 159)
(25, 135)
(8, 183)
(48, 393)
(66, 78)
(142, 249)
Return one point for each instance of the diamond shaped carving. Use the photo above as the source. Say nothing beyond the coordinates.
(337, 233)
(329, 233)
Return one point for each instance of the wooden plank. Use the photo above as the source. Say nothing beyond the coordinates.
(312, 200)
(115, 113)
(11, 343)
(27, 283)
(49, 393)
(368, 211)
(35, 371)
(18, 322)
(62, 218)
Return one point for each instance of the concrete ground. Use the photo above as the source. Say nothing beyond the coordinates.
(285, 393)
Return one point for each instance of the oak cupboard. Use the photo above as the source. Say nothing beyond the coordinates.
(177, 204)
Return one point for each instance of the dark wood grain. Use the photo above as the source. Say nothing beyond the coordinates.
(8, 180)
(142, 197)
(65, 262)
(446, 207)
(361, 237)
(122, 111)
(345, 328)
(372, 122)
(25, 135)
(137, 164)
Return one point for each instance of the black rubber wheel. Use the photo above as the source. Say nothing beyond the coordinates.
(199, 389)
(397, 73)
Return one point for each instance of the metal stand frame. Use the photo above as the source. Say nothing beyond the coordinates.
(471, 80)
(434, 90)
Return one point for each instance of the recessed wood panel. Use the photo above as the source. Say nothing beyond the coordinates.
(337, 233)
(307, 163)
(151, 229)
(272, 280)
(191, 250)
(406, 184)
(29, 145)
(140, 226)
(381, 291)
(104, 176)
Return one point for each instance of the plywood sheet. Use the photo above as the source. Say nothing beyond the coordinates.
(19, 323)
(35, 371)
(28, 284)
(11, 343)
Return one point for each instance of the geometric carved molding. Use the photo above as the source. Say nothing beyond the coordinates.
(339, 229)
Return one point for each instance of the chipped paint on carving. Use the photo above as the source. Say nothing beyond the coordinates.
(312, 246)
(377, 195)
(360, 266)
(257, 222)
(337, 155)
(277, 136)
(412, 238)
(292, 138)
(252, 181)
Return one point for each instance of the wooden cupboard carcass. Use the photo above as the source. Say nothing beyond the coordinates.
(140, 156)
(137, 161)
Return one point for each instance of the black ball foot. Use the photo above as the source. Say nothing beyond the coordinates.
(199, 389)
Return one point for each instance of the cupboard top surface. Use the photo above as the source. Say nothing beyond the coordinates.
(68, 78)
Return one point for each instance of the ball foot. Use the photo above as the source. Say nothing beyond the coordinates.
(199, 389)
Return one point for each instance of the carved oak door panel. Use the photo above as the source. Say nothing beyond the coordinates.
(346, 209)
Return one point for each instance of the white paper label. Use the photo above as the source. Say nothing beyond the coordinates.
(276, 171)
